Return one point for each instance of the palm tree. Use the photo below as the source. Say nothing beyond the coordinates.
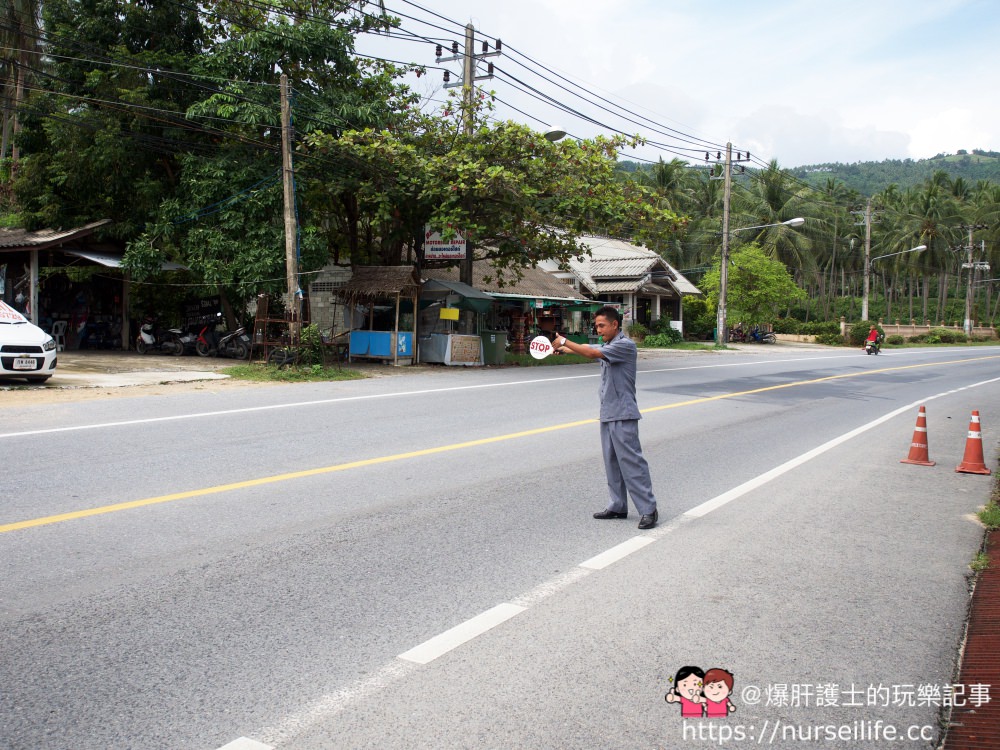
(772, 197)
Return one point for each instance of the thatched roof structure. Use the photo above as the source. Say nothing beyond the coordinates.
(380, 281)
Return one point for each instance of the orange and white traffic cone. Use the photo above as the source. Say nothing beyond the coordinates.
(918, 446)
(972, 462)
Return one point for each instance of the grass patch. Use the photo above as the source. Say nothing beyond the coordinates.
(980, 563)
(990, 515)
(265, 373)
(526, 360)
(687, 345)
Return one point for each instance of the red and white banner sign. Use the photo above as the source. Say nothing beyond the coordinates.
(10, 315)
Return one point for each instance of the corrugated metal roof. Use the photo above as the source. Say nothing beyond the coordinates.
(622, 268)
(616, 266)
(22, 239)
(534, 282)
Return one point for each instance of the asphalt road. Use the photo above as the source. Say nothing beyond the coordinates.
(275, 567)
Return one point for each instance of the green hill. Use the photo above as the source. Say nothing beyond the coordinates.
(870, 177)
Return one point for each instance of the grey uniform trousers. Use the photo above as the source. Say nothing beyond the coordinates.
(626, 468)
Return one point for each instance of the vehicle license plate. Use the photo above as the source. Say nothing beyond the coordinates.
(25, 363)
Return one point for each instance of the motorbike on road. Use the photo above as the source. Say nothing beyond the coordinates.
(873, 347)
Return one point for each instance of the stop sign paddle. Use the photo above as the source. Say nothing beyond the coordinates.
(540, 347)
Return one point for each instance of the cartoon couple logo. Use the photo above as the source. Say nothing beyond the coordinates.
(702, 694)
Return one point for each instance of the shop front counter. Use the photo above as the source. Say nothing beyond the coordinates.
(379, 344)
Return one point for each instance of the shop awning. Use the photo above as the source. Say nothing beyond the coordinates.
(471, 298)
(112, 260)
(540, 301)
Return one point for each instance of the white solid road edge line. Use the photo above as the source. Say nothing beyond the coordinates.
(616, 553)
(759, 481)
(244, 743)
(441, 644)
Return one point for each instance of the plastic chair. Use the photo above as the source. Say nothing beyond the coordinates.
(59, 334)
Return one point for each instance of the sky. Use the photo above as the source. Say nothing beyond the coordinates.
(798, 81)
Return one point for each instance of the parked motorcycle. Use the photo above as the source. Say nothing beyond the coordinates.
(150, 337)
(207, 342)
(235, 344)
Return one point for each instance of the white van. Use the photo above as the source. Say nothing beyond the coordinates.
(26, 351)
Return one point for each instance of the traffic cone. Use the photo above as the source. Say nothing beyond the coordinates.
(918, 446)
(972, 462)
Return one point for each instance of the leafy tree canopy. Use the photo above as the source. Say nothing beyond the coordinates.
(756, 288)
(519, 197)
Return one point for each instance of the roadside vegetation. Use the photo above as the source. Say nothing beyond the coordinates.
(261, 372)
(989, 516)
(161, 118)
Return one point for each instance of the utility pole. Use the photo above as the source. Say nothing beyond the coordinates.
(721, 329)
(868, 262)
(468, 95)
(291, 254)
(968, 291)
(866, 283)
(968, 284)
(469, 59)
(721, 326)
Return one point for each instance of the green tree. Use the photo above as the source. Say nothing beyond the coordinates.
(225, 219)
(758, 286)
(101, 141)
(519, 197)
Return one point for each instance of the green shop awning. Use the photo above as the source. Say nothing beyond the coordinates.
(470, 297)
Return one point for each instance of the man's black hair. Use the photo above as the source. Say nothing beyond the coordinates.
(611, 313)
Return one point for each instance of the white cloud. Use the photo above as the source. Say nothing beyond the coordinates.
(800, 82)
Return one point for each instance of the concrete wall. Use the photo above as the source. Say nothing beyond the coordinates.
(906, 330)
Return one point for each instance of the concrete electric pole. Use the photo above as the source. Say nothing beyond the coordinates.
(291, 229)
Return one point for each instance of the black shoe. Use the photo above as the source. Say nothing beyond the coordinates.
(604, 515)
(648, 522)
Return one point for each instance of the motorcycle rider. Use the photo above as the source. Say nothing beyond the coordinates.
(874, 337)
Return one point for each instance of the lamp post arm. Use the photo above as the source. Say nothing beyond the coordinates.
(901, 252)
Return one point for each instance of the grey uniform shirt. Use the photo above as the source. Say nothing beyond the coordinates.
(618, 380)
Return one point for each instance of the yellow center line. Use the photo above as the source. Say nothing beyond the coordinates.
(262, 481)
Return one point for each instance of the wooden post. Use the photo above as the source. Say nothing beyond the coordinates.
(395, 336)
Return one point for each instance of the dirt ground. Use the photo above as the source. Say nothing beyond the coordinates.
(12, 394)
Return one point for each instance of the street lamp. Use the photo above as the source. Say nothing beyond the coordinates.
(721, 331)
(868, 270)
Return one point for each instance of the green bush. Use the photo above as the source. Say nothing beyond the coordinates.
(816, 327)
(311, 345)
(859, 332)
(895, 340)
(667, 338)
(830, 339)
(699, 317)
(946, 336)
(637, 331)
(920, 338)
(786, 325)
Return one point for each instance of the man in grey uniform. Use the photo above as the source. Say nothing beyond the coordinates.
(624, 464)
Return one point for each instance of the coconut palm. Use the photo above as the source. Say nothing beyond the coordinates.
(772, 197)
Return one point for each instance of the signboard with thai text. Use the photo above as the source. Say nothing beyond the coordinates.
(436, 248)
